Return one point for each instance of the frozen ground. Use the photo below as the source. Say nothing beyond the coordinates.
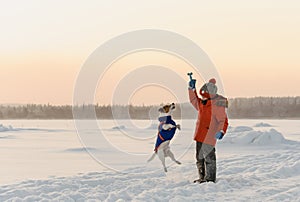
(44, 161)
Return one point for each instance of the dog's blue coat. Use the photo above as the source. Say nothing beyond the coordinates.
(165, 134)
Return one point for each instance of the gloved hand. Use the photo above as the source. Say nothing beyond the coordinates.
(192, 84)
(219, 135)
(178, 126)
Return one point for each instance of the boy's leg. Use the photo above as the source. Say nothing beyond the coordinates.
(210, 162)
(200, 160)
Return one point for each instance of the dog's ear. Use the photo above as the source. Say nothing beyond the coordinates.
(167, 108)
(161, 110)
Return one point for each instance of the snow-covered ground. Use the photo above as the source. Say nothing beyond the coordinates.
(45, 161)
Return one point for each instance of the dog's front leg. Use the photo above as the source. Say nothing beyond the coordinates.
(167, 126)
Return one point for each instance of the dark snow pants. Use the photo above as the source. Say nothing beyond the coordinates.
(206, 161)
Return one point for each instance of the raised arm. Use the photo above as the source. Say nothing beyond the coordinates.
(194, 99)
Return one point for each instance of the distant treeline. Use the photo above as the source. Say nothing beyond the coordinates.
(265, 107)
(257, 108)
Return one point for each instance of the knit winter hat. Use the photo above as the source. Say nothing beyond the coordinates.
(209, 88)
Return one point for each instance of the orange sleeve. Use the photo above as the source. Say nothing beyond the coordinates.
(222, 119)
(194, 99)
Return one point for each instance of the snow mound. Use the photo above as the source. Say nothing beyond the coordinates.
(8, 137)
(80, 149)
(262, 124)
(261, 138)
(241, 129)
(10, 128)
(122, 127)
(6, 128)
(244, 135)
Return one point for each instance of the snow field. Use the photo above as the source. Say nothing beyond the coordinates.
(254, 164)
(268, 177)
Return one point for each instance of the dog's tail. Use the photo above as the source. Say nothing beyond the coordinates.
(152, 157)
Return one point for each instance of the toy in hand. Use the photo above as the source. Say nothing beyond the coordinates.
(192, 82)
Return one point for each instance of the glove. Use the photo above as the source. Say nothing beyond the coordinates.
(192, 84)
(219, 135)
(178, 126)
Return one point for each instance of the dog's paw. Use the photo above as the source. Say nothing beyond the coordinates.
(165, 169)
(178, 126)
(178, 162)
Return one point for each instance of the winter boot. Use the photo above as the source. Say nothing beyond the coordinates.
(201, 169)
(200, 181)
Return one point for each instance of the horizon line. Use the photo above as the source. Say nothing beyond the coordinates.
(131, 104)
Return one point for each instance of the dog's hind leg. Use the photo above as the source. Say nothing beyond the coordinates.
(161, 156)
(171, 155)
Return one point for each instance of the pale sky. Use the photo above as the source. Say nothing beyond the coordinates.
(43, 44)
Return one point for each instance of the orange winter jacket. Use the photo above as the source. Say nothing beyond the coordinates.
(212, 117)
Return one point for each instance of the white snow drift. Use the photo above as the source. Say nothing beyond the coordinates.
(6, 128)
(244, 135)
(262, 124)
